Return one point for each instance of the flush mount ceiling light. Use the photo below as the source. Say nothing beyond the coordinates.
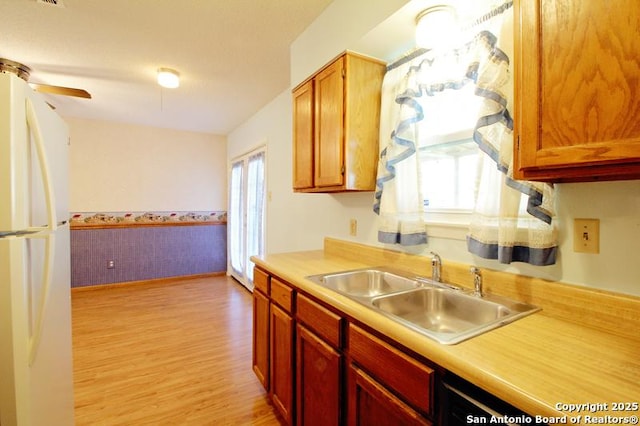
(168, 78)
(436, 26)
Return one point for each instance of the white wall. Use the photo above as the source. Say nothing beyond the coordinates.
(340, 26)
(294, 221)
(122, 167)
(301, 221)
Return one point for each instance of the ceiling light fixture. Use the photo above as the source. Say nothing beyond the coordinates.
(168, 78)
(436, 26)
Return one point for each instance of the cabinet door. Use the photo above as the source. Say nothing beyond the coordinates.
(577, 105)
(372, 404)
(410, 379)
(318, 381)
(261, 337)
(282, 367)
(329, 125)
(303, 136)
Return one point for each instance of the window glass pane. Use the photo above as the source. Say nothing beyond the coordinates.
(448, 174)
(449, 115)
(255, 209)
(236, 217)
(448, 153)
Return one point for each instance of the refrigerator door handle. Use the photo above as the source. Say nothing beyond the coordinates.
(26, 232)
(47, 278)
(47, 182)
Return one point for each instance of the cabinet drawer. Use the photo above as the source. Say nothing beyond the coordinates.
(322, 321)
(261, 281)
(395, 369)
(282, 294)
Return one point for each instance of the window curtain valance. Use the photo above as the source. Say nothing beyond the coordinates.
(414, 98)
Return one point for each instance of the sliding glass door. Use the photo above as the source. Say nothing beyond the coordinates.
(246, 218)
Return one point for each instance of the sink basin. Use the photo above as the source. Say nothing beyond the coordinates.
(366, 283)
(439, 311)
(450, 316)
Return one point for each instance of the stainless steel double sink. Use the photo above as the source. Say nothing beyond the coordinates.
(437, 310)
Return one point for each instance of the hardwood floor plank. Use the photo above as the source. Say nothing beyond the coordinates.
(175, 353)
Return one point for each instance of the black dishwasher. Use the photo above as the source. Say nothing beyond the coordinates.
(466, 404)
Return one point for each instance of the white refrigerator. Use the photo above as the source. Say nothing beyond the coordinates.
(36, 371)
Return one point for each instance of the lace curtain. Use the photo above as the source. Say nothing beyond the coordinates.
(415, 100)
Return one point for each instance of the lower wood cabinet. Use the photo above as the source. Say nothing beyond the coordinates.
(273, 341)
(319, 364)
(386, 385)
(282, 332)
(319, 378)
(321, 369)
(282, 329)
(261, 328)
(371, 403)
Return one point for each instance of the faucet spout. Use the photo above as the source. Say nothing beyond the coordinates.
(436, 267)
(477, 281)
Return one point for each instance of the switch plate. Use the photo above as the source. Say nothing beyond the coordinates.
(586, 236)
(111, 264)
(353, 227)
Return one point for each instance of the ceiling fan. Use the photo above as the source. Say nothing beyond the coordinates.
(24, 71)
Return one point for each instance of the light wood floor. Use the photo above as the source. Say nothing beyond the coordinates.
(171, 353)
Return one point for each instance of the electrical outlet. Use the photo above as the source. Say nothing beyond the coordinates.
(353, 227)
(111, 264)
(586, 236)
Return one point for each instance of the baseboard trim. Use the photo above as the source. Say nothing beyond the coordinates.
(91, 287)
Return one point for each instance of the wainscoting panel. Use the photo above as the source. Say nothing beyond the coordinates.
(146, 252)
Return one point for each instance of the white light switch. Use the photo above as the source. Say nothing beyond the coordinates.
(586, 236)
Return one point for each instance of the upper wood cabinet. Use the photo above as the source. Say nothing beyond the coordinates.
(336, 115)
(303, 136)
(577, 76)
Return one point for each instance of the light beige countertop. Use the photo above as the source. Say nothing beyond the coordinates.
(537, 363)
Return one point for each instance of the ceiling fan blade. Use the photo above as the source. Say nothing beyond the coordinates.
(59, 90)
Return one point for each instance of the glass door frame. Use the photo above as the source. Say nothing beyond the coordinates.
(244, 274)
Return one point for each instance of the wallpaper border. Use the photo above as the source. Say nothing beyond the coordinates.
(123, 218)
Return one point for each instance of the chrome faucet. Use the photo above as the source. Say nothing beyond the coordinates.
(477, 281)
(436, 267)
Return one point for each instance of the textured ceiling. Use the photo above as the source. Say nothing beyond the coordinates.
(233, 56)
